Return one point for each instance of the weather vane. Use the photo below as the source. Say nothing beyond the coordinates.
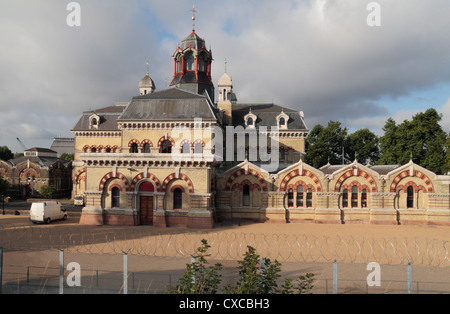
(193, 17)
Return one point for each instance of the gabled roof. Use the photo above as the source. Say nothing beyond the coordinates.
(170, 104)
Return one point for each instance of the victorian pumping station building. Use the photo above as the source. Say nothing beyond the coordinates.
(178, 157)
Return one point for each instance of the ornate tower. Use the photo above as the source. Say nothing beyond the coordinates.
(146, 85)
(226, 96)
(192, 65)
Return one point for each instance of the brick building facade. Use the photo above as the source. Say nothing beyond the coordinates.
(165, 159)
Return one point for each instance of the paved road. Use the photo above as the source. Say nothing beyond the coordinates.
(24, 206)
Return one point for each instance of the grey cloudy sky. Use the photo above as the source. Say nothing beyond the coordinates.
(318, 56)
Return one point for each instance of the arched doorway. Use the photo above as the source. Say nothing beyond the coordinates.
(146, 203)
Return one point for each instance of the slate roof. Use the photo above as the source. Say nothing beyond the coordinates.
(380, 169)
(41, 161)
(192, 40)
(170, 104)
(267, 114)
(384, 169)
(190, 78)
(108, 119)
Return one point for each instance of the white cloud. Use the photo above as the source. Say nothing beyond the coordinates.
(318, 56)
(445, 111)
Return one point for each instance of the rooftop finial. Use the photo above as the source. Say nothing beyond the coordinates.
(148, 69)
(193, 17)
(226, 65)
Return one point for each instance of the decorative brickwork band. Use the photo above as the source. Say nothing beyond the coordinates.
(109, 176)
(174, 177)
(359, 173)
(417, 174)
(306, 173)
(141, 176)
(241, 172)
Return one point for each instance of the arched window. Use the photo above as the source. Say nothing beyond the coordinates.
(201, 64)
(309, 198)
(410, 197)
(93, 150)
(166, 147)
(282, 121)
(186, 149)
(198, 149)
(177, 199)
(250, 121)
(190, 62)
(115, 197)
(282, 154)
(146, 148)
(354, 196)
(290, 198)
(179, 65)
(246, 195)
(108, 150)
(345, 198)
(364, 198)
(300, 196)
(134, 148)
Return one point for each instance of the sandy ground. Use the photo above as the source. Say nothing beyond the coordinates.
(102, 273)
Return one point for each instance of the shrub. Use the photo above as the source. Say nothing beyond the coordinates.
(254, 277)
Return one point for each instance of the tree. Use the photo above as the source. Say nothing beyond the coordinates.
(421, 139)
(197, 279)
(261, 278)
(446, 166)
(388, 144)
(5, 153)
(363, 145)
(253, 277)
(67, 157)
(325, 144)
(4, 190)
(48, 191)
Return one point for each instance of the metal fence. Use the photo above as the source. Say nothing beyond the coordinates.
(293, 251)
(226, 245)
(19, 279)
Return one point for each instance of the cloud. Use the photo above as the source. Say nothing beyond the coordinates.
(445, 111)
(319, 56)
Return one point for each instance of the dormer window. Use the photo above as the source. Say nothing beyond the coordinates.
(282, 121)
(250, 120)
(94, 121)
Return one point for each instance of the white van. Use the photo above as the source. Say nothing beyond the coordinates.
(47, 212)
